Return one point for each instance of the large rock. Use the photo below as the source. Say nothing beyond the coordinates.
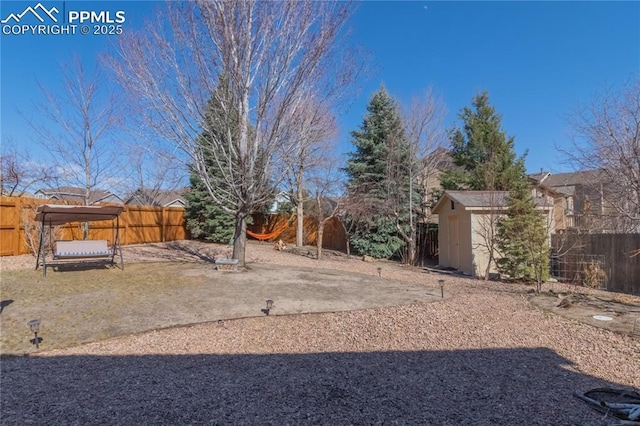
(367, 259)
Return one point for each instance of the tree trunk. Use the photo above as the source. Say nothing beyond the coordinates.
(487, 272)
(411, 248)
(410, 240)
(300, 223)
(319, 238)
(240, 239)
(300, 205)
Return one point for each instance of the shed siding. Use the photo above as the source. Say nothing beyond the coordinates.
(482, 233)
(463, 222)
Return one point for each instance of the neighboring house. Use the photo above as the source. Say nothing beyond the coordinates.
(76, 195)
(582, 197)
(467, 227)
(157, 198)
(23, 194)
(558, 221)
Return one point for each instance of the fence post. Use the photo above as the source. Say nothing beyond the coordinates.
(17, 235)
(124, 220)
(163, 221)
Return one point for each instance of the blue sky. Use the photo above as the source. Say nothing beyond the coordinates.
(537, 60)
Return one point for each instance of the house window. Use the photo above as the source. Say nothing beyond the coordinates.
(569, 205)
(453, 206)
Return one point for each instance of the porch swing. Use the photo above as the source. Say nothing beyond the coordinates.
(76, 251)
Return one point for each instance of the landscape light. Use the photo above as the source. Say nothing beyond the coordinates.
(441, 282)
(379, 271)
(34, 325)
(269, 304)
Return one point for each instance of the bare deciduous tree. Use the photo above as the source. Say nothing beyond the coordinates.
(485, 237)
(20, 173)
(607, 139)
(423, 120)
(271, 57)
(325, 186)
(313, 126)
(76, 127)
(151, 174)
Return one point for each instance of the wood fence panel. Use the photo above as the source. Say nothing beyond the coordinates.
(142, 225)
(334, 237)
(174, 224)
(622, 270)
(9, 226)
(138, 224)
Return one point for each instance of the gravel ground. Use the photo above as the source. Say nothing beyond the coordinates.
(484, 356)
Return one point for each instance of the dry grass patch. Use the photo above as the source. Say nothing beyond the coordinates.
(92, 304)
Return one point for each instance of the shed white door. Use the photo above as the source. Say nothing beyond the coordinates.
(454, 242)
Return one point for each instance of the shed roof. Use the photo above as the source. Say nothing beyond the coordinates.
(480, 198)
(59, 215)
(483, 200)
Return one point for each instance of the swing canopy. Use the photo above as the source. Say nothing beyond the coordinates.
(53, 215)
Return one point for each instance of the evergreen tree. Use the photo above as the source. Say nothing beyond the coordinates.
(378, 181)
(485, 157)
(205, 219)
(522, 238)
(486, 161)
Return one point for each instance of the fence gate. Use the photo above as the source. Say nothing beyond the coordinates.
(590, 270)
(426, 244)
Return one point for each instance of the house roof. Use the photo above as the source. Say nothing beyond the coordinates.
(72, 193)
(441, 157)
(539, 177)
(584, 177)
(157, 197)
(482, 200)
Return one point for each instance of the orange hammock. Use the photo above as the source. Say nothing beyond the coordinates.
(270, 235)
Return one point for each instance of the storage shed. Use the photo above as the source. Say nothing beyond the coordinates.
(466, 222)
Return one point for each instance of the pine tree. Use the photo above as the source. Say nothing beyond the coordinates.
(485, 157)
(378, 180)
(205, 219)
(486, 161)
(522, 238)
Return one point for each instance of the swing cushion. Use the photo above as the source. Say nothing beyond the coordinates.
(81, 248)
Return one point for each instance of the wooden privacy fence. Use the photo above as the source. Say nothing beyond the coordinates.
(137, 225)
(333, 237)
(609, 259)
(426, 243)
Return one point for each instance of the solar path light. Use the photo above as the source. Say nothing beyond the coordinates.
(268, 308)
(34, 325)
(441, 282)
